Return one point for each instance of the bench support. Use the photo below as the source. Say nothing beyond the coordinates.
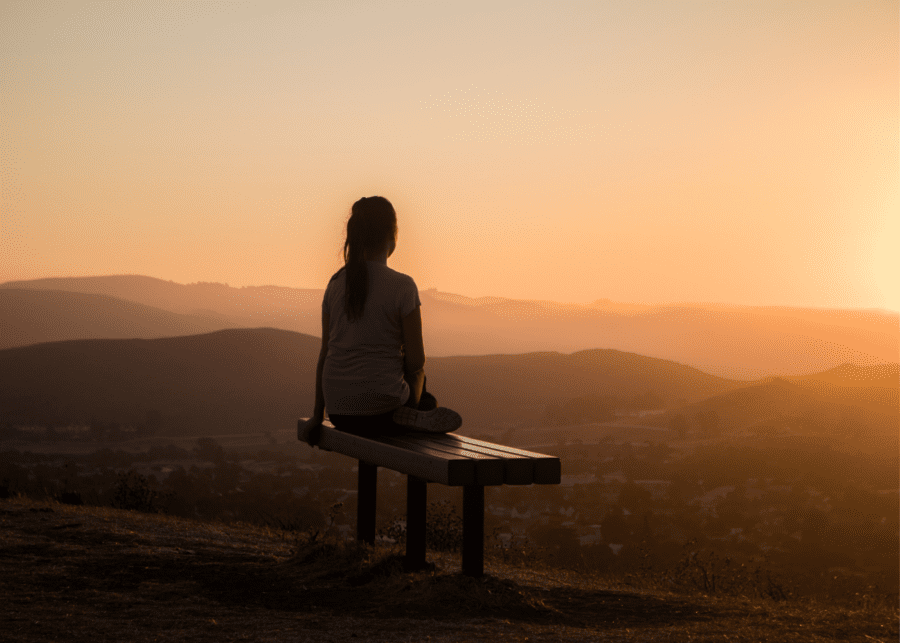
(473, 531)
(367, 485)
(416, 503)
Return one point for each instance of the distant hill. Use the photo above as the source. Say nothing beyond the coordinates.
(876, 386)
(738, 342)
(519, 386)
(35, 316)
(880, 375)
(248, 380)
(228, 381)
(778, 407)
(271, 306)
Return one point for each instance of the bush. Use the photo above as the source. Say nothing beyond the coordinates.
(710, 573)
(443, 528)
(133, 492)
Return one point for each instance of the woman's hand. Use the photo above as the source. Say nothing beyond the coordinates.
(311, 430)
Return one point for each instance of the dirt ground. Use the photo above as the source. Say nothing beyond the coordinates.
(99, 574)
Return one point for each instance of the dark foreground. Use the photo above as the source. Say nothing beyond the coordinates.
(98, 574)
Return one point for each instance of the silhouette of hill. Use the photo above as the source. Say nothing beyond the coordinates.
(519, 386)
(223, 382)
(35, 316)
(241, 380)
(740, 342)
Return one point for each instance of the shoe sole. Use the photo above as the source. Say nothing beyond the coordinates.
(439, 420)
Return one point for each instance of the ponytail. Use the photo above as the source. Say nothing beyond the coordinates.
(371, 225)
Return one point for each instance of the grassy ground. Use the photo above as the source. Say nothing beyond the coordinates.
(99, 574)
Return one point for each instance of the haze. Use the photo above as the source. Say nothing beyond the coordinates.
(740, 152)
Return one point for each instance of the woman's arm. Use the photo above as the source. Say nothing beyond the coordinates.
(413, 354)
(319, 408)
(309, 431)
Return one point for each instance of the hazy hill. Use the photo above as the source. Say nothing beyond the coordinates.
(34, 316)
(258, 379)
(740, 342)
(880, 375)
(874, 387)
(273, 306)
(778, 407)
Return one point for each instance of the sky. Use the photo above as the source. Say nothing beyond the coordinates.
(648, 152)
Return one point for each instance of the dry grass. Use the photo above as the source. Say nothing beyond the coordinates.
(99, 574)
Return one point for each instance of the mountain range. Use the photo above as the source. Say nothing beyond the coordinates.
(737, 342)
(256, 380)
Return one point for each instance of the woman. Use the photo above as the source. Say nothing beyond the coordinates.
(370, 375)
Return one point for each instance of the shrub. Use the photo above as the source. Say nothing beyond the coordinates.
(133, 492)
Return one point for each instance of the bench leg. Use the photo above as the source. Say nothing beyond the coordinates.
(473, 531)
(416, 500)
(367, 484)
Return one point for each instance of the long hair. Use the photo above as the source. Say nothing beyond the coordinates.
(372, 225)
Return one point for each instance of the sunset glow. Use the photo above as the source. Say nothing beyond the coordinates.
(640, 152)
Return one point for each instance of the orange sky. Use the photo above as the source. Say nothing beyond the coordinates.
(742, 152)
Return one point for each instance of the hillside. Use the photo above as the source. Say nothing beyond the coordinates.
(739, 342)
(35, 316)
(848, 375)
(255, 380)
(160, 578)
(776, 407)
(518, 387)
(874, 386)
(224, 382)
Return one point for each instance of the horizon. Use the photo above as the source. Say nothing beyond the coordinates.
(482, 297)
(743, 154)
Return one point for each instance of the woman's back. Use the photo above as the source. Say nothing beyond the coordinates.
(364, 368)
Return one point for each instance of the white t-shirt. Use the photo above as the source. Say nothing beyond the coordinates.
(363, 372)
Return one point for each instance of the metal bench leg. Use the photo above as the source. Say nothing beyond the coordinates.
(416, 499)
(365, 502)
(473, 531)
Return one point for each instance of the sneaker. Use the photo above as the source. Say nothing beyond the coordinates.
(439, 420)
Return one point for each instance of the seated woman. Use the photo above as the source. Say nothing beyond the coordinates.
(370, 374)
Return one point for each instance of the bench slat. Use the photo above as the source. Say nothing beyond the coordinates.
(547, 469)
(489, 469)
(517, 469)
(434, 466)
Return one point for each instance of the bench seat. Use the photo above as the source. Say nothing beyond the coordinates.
(448, 459)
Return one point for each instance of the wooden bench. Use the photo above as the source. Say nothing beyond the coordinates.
(447, 459)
